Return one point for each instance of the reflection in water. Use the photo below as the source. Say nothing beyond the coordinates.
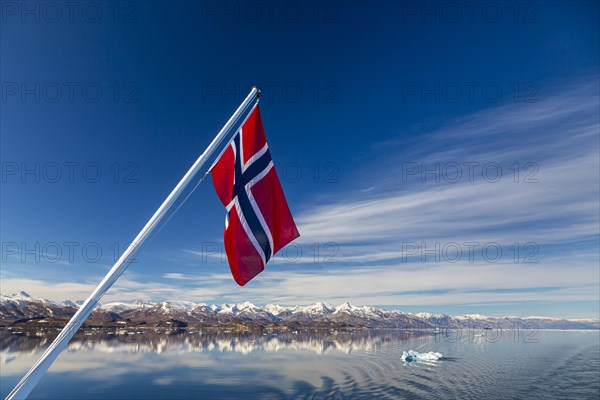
(216, 364)
(183, 341)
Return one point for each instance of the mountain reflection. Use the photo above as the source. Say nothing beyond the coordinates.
(304, 364)
(183, 341)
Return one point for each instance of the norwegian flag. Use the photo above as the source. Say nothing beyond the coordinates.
(258, 221)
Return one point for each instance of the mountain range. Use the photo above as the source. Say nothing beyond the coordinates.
(21, 309)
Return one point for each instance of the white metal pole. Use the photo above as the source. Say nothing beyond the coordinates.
(24, 387)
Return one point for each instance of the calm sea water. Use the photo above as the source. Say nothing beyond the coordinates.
(310, 365)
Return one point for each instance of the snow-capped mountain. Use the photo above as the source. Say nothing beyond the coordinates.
(24, 309)
(21, 305)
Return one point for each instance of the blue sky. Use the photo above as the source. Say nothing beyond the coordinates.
(437, 157)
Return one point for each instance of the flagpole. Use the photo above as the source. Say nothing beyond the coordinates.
(28, 382)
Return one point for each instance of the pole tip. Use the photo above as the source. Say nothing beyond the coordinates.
(257, 90)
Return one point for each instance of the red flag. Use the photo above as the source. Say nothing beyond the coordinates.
(258, 221)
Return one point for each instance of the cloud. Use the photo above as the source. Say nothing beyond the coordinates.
(174, 276)
(424, 285)
(541, 184)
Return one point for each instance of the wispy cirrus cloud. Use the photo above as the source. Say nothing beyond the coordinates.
(418, 197)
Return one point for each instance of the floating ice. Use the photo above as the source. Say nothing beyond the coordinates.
(412, 355)
(8, 358)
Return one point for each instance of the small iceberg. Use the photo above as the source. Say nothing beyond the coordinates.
(8, 358)
(412, 355)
